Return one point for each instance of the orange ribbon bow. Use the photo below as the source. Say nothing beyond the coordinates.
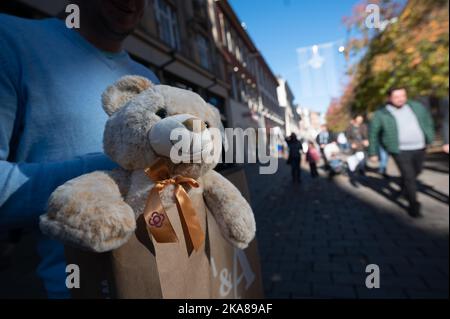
(158, 223)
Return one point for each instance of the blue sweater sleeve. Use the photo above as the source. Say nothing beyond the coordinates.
(26, 187)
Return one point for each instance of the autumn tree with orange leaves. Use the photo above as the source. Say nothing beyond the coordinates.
(338, 115)
(412, 52)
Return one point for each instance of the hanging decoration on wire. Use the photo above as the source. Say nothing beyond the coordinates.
(316, 60)
(320, 66)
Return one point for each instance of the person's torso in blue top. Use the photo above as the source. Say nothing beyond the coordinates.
(58, 78)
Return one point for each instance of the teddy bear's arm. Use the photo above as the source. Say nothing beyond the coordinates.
(90, 212)
(230, 209)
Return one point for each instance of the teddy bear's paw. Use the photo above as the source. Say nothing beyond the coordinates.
(96, 224)
(240, 227)
(236, 221)
(232, 212)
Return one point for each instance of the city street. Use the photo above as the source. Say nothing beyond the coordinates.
(152, 87)
(316, 239)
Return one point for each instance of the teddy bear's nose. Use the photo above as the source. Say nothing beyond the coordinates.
(195, 125)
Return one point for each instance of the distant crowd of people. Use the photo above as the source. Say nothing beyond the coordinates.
(401, 128)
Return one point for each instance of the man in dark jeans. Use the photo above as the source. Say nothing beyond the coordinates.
(404, 129)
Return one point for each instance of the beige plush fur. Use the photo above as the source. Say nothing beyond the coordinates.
(98, 211)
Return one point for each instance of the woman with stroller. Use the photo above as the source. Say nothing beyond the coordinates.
(357, 135)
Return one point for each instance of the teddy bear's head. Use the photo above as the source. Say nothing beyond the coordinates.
(149, 122)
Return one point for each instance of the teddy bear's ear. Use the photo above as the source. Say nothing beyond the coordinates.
(118, 94)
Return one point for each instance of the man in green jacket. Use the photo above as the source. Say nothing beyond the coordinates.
(403, 128)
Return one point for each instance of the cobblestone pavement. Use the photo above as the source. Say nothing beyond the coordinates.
(316, 239)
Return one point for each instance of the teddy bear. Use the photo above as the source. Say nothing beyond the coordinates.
(98, 211)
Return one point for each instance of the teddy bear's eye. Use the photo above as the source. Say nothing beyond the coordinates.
(162, 113)
(207, 125)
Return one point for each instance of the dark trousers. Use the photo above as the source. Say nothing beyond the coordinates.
(313, 169)
(295, 168)
(410, 164)
(325, 161)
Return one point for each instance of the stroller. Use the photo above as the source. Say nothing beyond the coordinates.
(336, 159)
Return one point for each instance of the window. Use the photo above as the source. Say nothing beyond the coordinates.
(203, 51)
(167, 23)
(223, 29)
(216, 101)
(200, 8)
(244, 55)
(238, 49)
(234, 86)
(199, 5)
(230, 40)
(173, 80)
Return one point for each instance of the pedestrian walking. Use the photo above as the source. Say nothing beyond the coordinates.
(357, 134)
(324, 138)
(342, 142)
(313, 157)
(294, 158)
(403, 128)
(384, 158)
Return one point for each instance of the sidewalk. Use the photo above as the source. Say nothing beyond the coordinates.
(316, 239)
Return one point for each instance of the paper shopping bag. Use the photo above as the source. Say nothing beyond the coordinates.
(144, 269)
(235, 273)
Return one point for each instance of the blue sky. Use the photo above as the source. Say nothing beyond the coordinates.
(279, 27)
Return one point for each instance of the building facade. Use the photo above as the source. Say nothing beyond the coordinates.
(253, 86)
(310, 123)
(174, 40)
(199, 45)
(286, 102)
